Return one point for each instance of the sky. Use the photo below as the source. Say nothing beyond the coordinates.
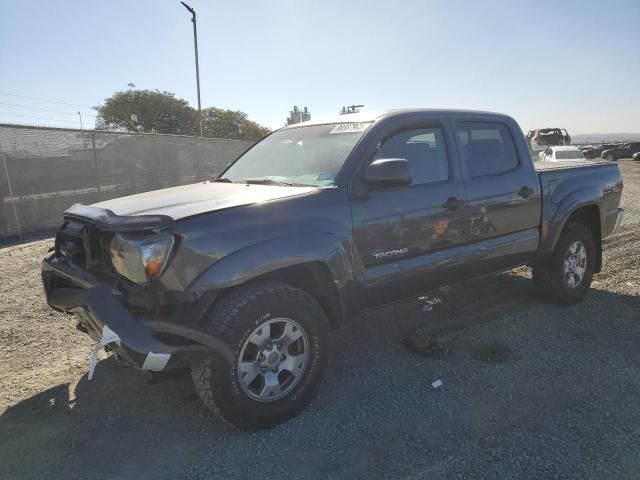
(569, 64)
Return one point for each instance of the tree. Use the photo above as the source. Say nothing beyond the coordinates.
(148, 111)
(153, 111)
(234, 124)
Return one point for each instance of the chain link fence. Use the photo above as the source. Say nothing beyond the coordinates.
(46, 170)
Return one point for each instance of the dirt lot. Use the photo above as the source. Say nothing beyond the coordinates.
(531, 390)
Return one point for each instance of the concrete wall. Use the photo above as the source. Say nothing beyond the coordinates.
(51, 169)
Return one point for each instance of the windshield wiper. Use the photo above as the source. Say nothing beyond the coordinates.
(266, 181)
(223, 180)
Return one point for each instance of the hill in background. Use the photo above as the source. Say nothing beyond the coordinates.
(584, 138)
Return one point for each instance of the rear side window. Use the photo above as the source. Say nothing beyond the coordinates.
(424, 150)
(488, 148)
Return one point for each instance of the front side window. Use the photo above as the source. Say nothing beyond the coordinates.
(424, 150)
(487, 148)
(311, 155)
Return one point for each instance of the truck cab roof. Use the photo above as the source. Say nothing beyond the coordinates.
(375, 115)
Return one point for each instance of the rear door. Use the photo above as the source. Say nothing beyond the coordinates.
(503, 192)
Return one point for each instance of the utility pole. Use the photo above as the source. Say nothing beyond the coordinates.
(195, 43)
(80, 115)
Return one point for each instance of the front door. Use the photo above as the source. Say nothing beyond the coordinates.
(397, 229)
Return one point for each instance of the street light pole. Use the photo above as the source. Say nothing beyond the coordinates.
(195, 43)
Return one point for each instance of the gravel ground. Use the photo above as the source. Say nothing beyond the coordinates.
(531, 390)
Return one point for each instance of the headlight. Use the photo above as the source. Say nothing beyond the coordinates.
(140, 258)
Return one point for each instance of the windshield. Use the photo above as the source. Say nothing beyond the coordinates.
(299, 156)
(569, 155)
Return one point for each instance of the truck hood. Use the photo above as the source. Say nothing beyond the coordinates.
(197, 198)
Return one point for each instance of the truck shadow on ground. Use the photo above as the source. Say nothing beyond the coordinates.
(142, 420)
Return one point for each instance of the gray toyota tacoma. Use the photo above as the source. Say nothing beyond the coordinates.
(241, 278)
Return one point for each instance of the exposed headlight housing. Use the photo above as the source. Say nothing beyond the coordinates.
(140, 258)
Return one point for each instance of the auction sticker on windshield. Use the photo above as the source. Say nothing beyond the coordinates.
(350, 127)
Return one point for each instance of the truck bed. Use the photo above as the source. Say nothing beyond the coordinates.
(573, 182)
(546, 166)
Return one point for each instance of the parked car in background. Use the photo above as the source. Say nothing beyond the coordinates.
(586, 148)
(559, 154)
(597, 150)
(626, 150)
(636, 156)
(541, 138)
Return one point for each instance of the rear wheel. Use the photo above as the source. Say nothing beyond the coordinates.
(567, 275)
(280, 336)
(611, 157)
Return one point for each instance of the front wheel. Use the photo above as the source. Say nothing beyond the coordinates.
(611, 157)
(280, 336)
(567, 275)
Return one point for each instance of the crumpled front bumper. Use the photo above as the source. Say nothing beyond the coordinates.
(71, 290)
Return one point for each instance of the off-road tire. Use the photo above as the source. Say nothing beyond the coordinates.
(548, 277)
(232, 319)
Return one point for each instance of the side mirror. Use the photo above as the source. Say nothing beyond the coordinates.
(388, 172)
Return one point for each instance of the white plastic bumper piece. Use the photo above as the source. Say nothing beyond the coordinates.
(156, 361)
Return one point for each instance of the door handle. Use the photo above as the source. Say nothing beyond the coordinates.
(525, 192)
(453, 203)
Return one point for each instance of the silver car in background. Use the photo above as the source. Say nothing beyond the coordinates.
(561, 154)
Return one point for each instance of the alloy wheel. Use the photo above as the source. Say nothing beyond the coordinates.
(575, 264)
(273, 359)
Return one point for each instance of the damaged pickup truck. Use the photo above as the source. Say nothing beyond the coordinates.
(242, 278)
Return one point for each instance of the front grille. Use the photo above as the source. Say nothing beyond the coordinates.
(73, 244)
(84, 246)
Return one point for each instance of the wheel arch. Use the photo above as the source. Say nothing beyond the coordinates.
(315, 279)
(589, 215)
(317, 264)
